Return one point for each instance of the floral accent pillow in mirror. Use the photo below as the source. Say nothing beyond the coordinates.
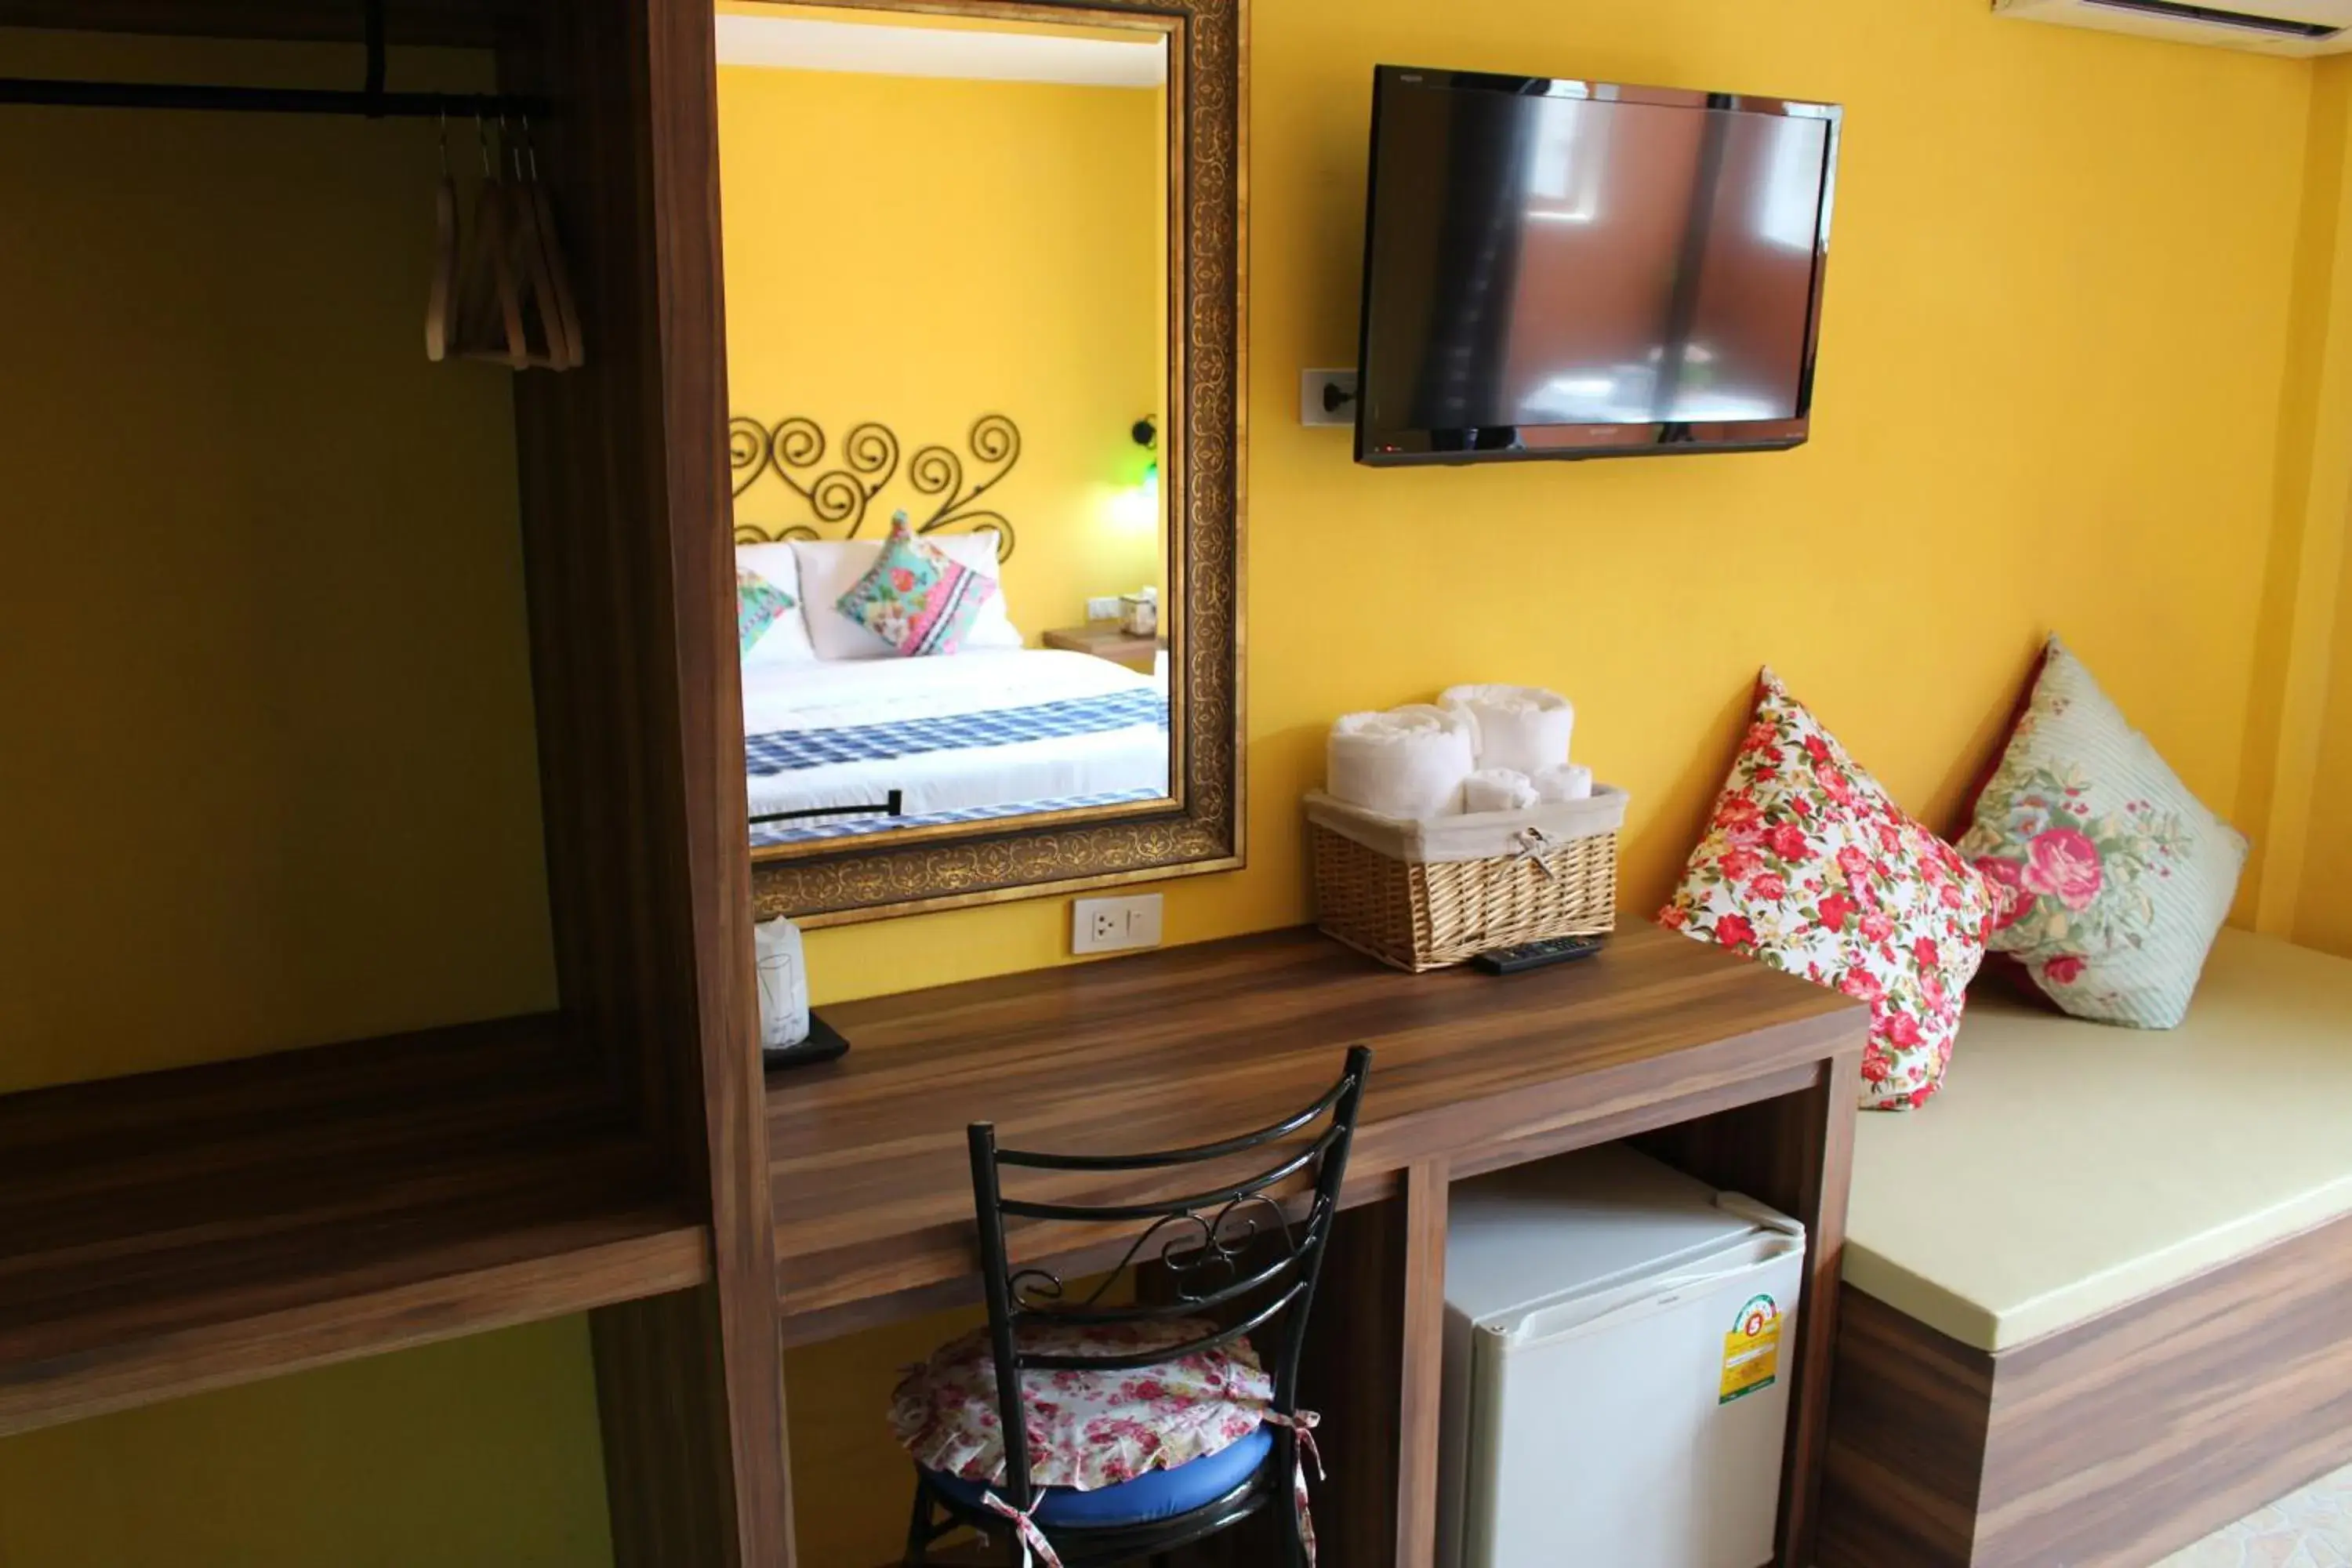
(2112, 879)
(1809, 865)
(759, 606)
(917, 598)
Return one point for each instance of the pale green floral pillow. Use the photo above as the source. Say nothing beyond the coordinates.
(2113, 878)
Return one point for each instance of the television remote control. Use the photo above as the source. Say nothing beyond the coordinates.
(1537, 954)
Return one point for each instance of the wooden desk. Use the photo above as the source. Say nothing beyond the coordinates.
(1740, 1075)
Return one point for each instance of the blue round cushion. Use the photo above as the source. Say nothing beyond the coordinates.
(1154, 1495)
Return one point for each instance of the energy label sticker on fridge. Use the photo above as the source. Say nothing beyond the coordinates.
(1751, 1350)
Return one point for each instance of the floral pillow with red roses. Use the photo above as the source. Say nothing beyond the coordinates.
(2111, 879)
(1809, 865)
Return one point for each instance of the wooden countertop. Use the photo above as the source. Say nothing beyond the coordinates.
(871, 1182)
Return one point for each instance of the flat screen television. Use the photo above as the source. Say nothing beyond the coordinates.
(1560, 268)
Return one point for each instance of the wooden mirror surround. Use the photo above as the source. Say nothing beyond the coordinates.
(1197, 824)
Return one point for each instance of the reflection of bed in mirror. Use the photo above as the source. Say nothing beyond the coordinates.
(838, 720)
(1027, 349)
(965, 737)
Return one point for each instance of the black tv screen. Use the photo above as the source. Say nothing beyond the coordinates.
(1559, 269)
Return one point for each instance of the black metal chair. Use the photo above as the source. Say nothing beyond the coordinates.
(1238, 1257)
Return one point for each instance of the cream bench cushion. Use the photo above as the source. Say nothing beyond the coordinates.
(2071, 1167)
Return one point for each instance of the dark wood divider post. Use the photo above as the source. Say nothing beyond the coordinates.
(626, 508)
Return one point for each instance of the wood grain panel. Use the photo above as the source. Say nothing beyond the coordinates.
(721, 1075)
(1496, 1155)
(635, 667)
(661, 1396)
(1909, 1410)
(595, 528)
(1421, 1397)
(185, 1230)
(2108, 1445)
(1352, 1373)
(871, 1191)
(2117, 1442)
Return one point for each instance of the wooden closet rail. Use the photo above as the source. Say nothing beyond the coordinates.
(370, 101)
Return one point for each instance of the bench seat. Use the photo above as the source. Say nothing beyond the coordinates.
(2097, 1294)
(2068, 1167)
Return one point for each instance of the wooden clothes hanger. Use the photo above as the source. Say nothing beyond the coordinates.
(549, 274)
(489, 312)
(513, 302)
(439, 327)
(544, 290)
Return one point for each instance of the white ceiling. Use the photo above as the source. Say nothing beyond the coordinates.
(800, 43)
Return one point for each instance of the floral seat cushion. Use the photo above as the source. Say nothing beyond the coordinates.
(1096, 1431)
(1809, 865)
(1154, 1495)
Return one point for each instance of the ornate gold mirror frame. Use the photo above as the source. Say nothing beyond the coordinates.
(1200, 829)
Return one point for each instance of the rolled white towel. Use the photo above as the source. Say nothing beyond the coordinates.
(1407, 762)
(1498, 789)
(1569, 780)
(1520, 727)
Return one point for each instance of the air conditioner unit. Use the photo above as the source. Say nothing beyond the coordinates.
(2302, 27)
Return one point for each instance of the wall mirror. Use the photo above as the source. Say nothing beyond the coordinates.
(983, 385)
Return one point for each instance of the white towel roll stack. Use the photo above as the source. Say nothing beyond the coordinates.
(1498, 789)
(1408, 762)
(1557, 786)
(1522, 728)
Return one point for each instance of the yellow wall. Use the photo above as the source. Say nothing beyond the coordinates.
(2303, 712)
(2325, 917)
(2053, 361)
(2051, 378)
(922, 252)
(2299, 624)
(479, 1453)
(270, 773)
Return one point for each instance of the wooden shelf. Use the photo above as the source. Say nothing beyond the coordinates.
(185, 1230)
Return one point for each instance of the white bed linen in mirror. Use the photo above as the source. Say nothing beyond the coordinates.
(833, 696)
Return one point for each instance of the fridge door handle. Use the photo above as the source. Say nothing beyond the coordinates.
(1656, 1294)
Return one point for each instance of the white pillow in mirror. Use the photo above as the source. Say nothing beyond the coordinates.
(787, 640)
(831, 567)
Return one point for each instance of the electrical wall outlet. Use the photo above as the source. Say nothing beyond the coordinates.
(1102, 609)
(1326, 397)
(1115, 925)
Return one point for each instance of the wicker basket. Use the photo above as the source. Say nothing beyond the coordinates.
(1423, 895)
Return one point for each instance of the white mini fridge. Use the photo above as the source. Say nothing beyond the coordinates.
(1617, 1345)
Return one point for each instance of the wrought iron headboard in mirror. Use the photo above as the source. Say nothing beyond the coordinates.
(838, 485)
(1198, 826)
